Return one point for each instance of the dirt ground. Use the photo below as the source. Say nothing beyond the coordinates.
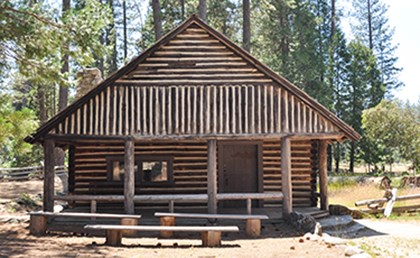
(395, 238)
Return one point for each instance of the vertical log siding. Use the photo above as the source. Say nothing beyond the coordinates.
(194, 110)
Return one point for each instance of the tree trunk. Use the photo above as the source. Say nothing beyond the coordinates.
(41, 101)
(337, 156)
(329, 158)
(64, 91)
(370, 24)
(202, 9)
(246, 38)
(352, 152)
(332, 19)
(182, 2)
(125, 29)
(111, 40)
(157, 19)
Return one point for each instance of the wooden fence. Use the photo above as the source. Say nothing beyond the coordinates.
(26, 173)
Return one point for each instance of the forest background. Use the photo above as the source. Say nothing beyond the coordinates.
(353, 72)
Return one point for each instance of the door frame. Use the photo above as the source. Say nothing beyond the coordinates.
(260, 178)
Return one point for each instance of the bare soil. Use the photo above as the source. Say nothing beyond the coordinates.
(396, 238)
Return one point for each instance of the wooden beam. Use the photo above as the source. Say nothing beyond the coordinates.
(212, 176)
(323, 176)
(49, 162)
(129, 185)
(286, 176)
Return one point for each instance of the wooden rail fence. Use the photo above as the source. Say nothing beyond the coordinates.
(26, 173)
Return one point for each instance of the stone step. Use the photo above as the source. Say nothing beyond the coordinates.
(336, 222)
(349, 231)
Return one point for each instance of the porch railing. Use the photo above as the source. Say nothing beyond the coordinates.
(172, 198)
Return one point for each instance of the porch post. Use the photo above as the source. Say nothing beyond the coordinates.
(323, 176)
(211, 177)
(129, 176)
(286, 177)
(49, 163)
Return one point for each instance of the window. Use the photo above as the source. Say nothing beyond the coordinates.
(153, 169)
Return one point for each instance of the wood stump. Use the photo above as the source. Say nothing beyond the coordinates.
(167, 221)
(113, 237)
(211, 238)
(253, 227)
(129, 222)
(38, 225)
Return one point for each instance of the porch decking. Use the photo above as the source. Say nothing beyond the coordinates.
(275, 215)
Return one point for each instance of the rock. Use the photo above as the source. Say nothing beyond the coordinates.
(307, 236)
(318, 229)
(301, 240)
(336, 209)
(302, 222)
(352, 250)
(334, 240)
(292, 248)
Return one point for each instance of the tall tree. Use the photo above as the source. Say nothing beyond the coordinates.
(202, 9)
(64, 90)
(363, 82)
(371, 26)
(125, 30)
(246, 31)
(157, 19)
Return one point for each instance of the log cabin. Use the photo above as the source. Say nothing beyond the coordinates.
(193, 117)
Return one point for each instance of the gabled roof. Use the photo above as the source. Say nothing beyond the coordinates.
(124, 76)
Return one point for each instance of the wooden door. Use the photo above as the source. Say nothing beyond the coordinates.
(239, 170)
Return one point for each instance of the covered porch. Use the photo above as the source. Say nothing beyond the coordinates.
(277, 185)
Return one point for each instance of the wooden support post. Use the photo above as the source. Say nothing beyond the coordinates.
(211, 238)
(38, 224)
(171, 206)
(113, 237)
(212, 176)
(253, 227)
(167, 221)
(323, 176)
(249, 206)
(129, 176)
(93, 208)
(129, 222)
(49, 163)
(286, 177)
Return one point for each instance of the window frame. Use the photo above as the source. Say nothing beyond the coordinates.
(139, 175)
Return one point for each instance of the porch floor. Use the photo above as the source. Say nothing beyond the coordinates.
(64, 224)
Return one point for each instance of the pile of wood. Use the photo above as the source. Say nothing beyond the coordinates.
(412, 181)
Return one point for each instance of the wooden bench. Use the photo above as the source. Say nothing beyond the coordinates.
(253, 222)
(38, 220)
(211, 236)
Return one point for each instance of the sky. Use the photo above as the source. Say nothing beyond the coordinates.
(404, 15)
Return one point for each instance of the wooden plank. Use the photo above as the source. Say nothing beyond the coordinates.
(323, 176)
(85, 215)
(166, 228)
(212, 176)
(49, 162)
(209, 216)
(129, 183)
(286, 176)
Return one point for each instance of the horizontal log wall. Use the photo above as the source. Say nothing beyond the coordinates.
(194, 110)
(189, 169)
(303, 175)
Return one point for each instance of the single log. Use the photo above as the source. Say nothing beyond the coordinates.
(323, 176)
(211, 238)
(286, 175)
(49, 161)
(38, 224)
(113, 237)
(253, 227)
(129, 222)
(167, 221)
(129, 184)
(212, 176)
(382, 200)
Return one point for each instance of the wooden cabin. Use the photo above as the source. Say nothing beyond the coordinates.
(194, 115)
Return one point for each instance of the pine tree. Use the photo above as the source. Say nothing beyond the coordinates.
(372, 28)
